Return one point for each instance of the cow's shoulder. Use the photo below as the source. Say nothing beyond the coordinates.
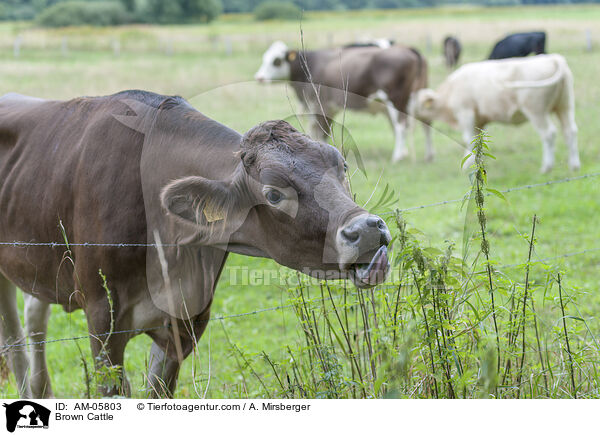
(12, 103)
(14, 98)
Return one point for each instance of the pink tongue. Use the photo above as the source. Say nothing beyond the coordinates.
(378, 268)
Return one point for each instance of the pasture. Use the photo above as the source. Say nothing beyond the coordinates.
(259, 333)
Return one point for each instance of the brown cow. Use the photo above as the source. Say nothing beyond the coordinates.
(376, 79)
(154, 194)
(452, 49)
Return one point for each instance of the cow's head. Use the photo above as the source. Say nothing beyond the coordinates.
(276, 63)
(288, 200)
(424, 105)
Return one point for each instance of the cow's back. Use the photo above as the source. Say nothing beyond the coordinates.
(497, 89)
(66, 170)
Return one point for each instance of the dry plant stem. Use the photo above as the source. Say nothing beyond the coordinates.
(524, 314)
(351, 354)
(564, 322)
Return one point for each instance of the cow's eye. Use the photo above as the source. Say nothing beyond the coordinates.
(277, 61)
(345, 167)
(274, 196)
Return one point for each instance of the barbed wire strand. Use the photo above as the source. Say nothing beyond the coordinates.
(212, 319)
(264, 310)
(509, 190)
(280, 307)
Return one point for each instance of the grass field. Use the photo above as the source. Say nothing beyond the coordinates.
(213, 67)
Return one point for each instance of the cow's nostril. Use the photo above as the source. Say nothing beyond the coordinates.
(372, 221)
(351, 236)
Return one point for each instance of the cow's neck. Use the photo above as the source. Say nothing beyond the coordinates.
(299, 66)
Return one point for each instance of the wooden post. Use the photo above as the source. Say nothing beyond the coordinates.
(17, 45)
(116, 47)
(228, 45)
(588, 40)
(214, 42)
(168, 47)
(64, 47)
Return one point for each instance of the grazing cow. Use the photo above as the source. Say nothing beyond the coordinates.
(519, 45)
(510, 91)
(381, 43)
(151, 196)
(452, 49)
(370, 75)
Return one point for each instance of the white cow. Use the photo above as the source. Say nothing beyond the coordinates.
(510, 91)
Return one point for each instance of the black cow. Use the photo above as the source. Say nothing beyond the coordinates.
(520, 45)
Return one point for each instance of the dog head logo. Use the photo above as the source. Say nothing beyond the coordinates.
(26, 414)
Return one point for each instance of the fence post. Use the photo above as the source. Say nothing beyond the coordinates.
(228, 45)
(17, 45)
(588, 40)
(214, 42)
(116, 47)
(168, 47)
(64, 47)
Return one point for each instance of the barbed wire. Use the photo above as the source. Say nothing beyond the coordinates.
(268, 309)
(418, 207)
(280, 307)
(88, 244)
(212, 319)
(509, 190)
(546, 259)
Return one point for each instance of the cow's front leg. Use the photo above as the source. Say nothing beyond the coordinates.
(321, 127)
(400, 151)
(429, 151)
(11, 333)
(164, 359)
(108, 349)
(399, 124)
(162, 373)
(466, 122)
(37, 314)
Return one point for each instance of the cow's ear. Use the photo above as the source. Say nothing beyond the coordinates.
(428, 102)
(291, 55)
(214, 206)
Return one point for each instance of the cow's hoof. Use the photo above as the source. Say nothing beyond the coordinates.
(546, 169)
(429, 158)
(399, 156)
(576, 166)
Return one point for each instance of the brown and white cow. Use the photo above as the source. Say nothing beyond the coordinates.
(510, 91)
(376, 80)
(155, 195)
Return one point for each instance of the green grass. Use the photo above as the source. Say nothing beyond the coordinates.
(191, 61)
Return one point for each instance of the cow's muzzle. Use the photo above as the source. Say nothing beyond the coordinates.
(362, 248)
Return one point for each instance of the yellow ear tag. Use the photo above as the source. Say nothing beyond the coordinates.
(427, 104)
(291, 56)
(213, 213)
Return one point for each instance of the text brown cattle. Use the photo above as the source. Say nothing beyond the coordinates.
(150, 196)
(366, 78)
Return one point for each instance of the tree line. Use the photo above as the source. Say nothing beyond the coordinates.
(110, 12)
